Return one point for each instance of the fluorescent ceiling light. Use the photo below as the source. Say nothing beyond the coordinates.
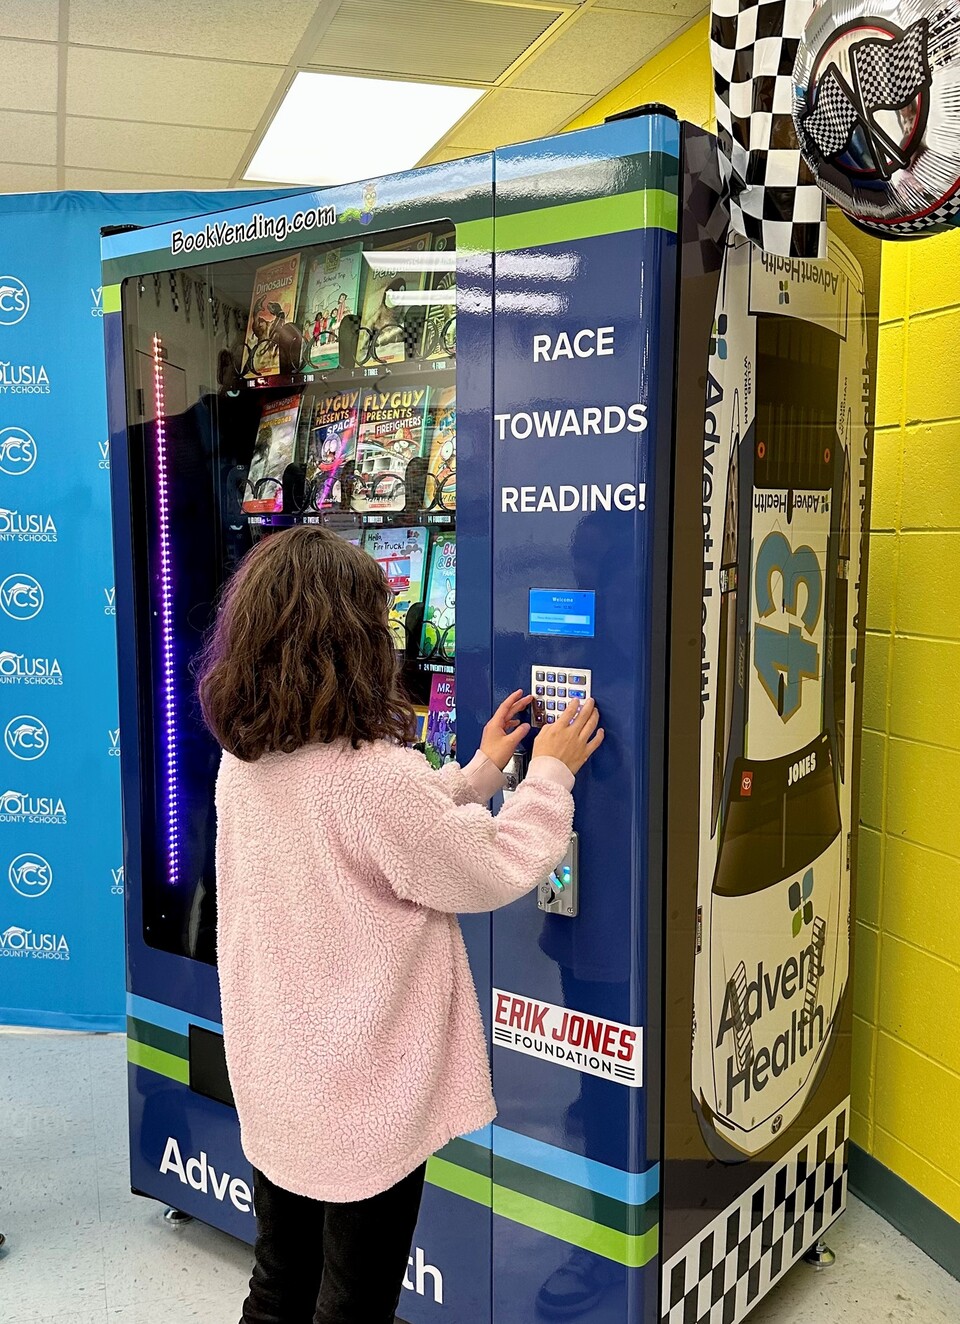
(331, 129)
(384, 262)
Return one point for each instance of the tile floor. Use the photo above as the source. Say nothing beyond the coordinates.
(83, 1250)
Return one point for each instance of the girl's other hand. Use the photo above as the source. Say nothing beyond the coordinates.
(503, 733)
(573, 737)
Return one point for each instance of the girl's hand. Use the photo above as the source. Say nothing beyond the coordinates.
(503, 733)
(573, 737)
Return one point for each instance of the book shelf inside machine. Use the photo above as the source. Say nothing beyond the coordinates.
(314, 387)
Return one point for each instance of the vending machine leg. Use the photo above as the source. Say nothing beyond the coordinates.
(820, 1256)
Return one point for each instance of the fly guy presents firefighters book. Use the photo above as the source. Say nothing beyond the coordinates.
(393, 426)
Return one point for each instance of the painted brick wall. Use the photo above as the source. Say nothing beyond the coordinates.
(906, 1091)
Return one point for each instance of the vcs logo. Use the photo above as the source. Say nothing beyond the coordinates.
(116, 887)
(18, 452)
(26, 738)
(21, 597)
(30, 875)
(113, 748)
(109, 602)
(14, 300)
(96, 296)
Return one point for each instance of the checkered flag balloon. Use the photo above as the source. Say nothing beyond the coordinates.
(834, 117)
(774, 197)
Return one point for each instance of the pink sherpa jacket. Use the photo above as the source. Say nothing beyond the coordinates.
(353, 1033)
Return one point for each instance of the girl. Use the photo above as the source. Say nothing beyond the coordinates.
(353, 1034)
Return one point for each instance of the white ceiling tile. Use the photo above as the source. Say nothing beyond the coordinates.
(34, 20)
(238, 30)
(167, 89)
(687, 8)
(161, 149)
(28, 138)
(29, 76)
(27, 178)
(596, 50)
(128, 181)
(507, 115)
(444, 40)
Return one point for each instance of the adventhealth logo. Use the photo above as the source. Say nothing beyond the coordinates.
(18, 452)
(418, 1271)
(21, 597)
(27, 944)
(16, 527)
(26, 738)
(21, 807)
(19, 669)
(30, 875)
(23, 379)
(14, 300)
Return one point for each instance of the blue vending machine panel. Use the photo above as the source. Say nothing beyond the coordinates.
(585, 286)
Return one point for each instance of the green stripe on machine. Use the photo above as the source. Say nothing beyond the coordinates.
(155, 1036)
(603, 1210)
(634, 1251)
(154, 1059)
(110, 302)
(645, 209)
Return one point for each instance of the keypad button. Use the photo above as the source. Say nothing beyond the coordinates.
(551, 717)
(562, 676)
(550, 678)
(539, 675)
(577, 694)
(551, 692)
(539, 689)
(551, 705)
(578, 680)
(561, 693)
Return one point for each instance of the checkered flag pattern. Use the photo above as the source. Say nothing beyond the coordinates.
(891, 73)
(723, 1272)
(774, 197)
(833, 118)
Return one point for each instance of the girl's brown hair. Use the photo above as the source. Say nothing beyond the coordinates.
(301, 651)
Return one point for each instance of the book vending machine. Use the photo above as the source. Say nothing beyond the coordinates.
(546, 385)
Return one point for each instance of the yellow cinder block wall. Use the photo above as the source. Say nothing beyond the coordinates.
(906, 1094)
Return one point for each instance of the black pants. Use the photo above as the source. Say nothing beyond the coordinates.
(325, 1263)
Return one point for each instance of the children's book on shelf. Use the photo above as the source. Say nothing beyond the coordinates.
(331, 289)
(439, 324)
(393, 428)
(420, 735)
(402, 553)
(273, 342)
(331, 446)
(438, 637)
(274, 449)
(392, 325)
(440, 745)
(440, 488)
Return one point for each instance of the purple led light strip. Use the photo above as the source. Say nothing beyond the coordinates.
(166, 628)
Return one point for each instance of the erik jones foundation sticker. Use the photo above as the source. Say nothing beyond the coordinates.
(569, 1038)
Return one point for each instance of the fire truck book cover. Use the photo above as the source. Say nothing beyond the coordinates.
(402, 553)
(440, 489)
(439, 339)
(331, 290)
(437, 639)
(393, 426)
(331, 446)
(273, 450)
(272, 308)
(392, 327)
(440, 745)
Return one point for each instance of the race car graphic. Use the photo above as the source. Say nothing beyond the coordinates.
(785, 415)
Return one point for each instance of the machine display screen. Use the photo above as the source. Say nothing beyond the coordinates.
(569, 612)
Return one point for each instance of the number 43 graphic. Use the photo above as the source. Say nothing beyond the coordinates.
(785, 658)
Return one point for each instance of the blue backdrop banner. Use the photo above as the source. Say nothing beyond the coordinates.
(61, 872)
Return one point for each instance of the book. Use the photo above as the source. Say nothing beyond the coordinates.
(440, 488)
(420, 736)
(331, 288)
(331, 447)
(274, 343)
(273, 450)
(393, 427)
(438, 636)
(402, 553)
(440, 744)
(440, 310)
(391, 327)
